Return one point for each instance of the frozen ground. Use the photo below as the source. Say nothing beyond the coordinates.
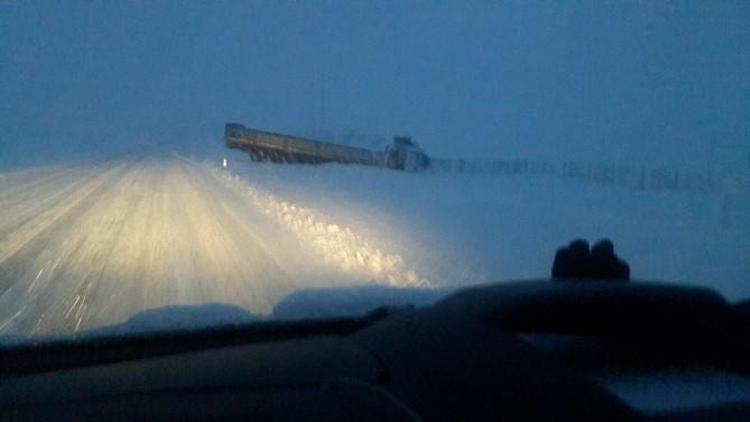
(91, 243)
(461, 229)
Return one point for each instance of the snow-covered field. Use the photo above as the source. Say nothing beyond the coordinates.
(454, 230)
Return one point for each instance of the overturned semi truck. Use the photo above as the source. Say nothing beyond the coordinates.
(402, 154)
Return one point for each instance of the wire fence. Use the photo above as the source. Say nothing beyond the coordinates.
(639, 178)
(629, 177)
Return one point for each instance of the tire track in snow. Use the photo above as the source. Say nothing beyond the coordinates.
(81, 190)
(156, 233)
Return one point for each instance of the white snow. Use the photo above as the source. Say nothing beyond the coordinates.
(336, 239)
(456, 230)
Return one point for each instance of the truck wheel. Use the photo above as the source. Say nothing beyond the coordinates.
(255, 155)
(274, 156)
(263, 154)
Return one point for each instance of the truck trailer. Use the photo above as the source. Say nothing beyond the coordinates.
(402, 154)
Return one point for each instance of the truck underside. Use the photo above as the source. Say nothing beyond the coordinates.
(261, 154)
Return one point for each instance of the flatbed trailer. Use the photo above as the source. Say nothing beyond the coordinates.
(268, 146)
(279, 148)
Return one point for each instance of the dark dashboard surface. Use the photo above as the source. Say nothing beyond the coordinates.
(528, 350)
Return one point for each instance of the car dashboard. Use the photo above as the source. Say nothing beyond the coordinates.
(525, 350)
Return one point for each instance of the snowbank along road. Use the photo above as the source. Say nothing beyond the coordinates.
(86, 245)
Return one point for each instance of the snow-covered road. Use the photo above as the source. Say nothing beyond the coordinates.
(86, 245)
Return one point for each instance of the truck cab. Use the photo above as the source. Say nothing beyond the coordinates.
(404, 154)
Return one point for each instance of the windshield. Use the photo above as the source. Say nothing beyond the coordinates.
(178, 164)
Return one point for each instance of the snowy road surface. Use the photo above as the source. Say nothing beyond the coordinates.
(87, 245)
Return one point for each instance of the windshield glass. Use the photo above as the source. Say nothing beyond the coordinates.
(166, 165)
